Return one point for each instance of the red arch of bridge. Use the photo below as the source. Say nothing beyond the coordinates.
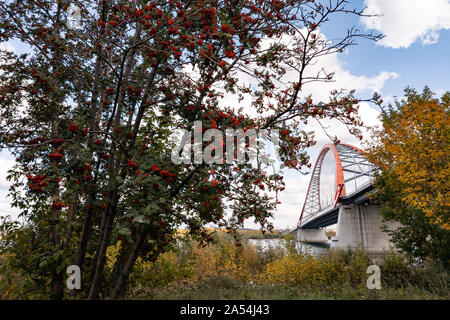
(340, 186)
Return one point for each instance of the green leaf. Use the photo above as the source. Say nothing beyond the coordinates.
(125, 232)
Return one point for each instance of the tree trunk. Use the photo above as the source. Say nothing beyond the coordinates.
(104, 242)
(126, 270)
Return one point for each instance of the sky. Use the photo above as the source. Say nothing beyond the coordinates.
(414, 52)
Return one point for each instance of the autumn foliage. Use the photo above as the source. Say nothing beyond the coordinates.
(413, 187)
(414, 147)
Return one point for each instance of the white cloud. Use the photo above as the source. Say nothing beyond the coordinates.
(405, 21)
(5, 165)
(320, 91)
(5, 206)
(343, 79)
(7, 46)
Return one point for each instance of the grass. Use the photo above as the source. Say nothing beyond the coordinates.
(223, 288)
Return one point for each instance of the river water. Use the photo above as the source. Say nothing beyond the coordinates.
(313, 249)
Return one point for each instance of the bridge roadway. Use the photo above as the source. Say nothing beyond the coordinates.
(329, 216)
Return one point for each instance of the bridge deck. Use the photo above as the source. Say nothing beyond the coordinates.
(329, 215)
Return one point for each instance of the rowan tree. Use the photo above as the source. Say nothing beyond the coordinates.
(413, 187)
(89, 111)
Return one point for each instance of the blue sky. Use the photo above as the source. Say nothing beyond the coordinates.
(415, 52)
(418, 64)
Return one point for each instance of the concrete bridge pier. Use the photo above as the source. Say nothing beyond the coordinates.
(311, 235)
(360, 227)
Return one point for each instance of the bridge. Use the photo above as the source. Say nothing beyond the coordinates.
(339, 193)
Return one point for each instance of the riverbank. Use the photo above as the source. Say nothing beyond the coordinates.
(224, 271)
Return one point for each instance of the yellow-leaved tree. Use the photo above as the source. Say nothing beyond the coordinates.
(412, 150)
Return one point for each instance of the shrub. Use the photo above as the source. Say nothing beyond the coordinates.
(166, 269)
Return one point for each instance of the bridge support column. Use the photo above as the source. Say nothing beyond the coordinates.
(360, 227)
(311, 235)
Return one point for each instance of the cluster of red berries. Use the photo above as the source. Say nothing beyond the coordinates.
(166, 174)
(58, 205)
(56, 156)
(132, 164)
(72, 127)
(37, 183)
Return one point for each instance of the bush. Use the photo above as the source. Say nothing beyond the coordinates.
(433, 277)
(166, 269)
(336, 267)
(395, 271)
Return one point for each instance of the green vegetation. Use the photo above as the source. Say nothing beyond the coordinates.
(226, 271)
